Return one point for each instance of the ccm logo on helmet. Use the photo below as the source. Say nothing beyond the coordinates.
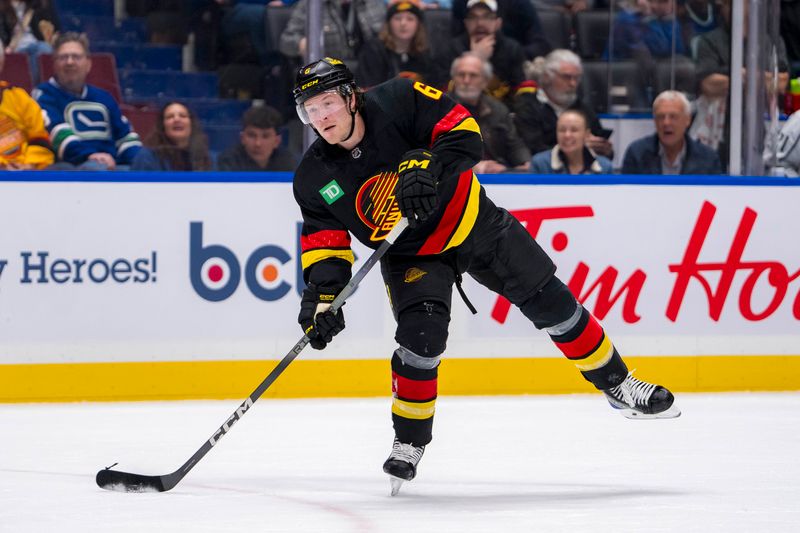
(309, 84)
(413, 163)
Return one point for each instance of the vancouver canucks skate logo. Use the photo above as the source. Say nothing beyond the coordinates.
(376, 205)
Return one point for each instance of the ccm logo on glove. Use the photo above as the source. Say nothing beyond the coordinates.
(418, 174)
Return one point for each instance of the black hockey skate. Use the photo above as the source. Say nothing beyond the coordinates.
(639, 399)
(402, 464)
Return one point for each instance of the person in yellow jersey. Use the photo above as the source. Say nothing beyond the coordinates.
(404, 149)
(24, 142)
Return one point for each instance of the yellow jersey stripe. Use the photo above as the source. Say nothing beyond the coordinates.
(469, 217)
(468, 124)
(315, 256)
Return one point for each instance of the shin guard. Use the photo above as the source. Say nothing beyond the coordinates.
(582, 340)
(414, 393)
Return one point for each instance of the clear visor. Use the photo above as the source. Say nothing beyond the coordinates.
(322, 105)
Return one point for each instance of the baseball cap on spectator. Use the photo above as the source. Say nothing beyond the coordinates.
(491, 5)
(401, 6)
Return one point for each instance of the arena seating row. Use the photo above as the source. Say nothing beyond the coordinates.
(143, 77)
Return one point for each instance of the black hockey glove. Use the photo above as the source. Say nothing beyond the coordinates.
(317, 321)
(416, 185)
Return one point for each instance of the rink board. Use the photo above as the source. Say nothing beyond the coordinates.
(152, 287)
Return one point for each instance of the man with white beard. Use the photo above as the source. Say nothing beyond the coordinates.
(536, 112)
(503, 148)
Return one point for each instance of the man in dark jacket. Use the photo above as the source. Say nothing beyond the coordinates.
(503, 148)
(670, 150)
(259, 148)
(484, 38)
(520, 22)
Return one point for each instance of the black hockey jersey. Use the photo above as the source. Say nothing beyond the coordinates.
(341, 191)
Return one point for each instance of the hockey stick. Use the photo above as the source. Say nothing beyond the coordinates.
(127, 482)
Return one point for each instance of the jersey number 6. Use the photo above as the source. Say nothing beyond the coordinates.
(428, 91)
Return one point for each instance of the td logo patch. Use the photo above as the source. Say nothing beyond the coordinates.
(331, 192)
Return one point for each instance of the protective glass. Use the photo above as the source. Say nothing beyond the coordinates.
(322, 105)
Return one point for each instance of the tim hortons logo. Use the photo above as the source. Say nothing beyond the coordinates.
(376, 205)
(764, 281)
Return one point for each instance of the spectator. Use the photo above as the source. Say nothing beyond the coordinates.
(346, 24)
(645, 29)
(519, 21)
(24, 143)
(713, 64)
(571, 155)
(28, 27)
(400, 49)
(502, 147)
(260, 144)
(177, 143)
(670, 150)
(86, 127)
(484, 38)
(536, 113)
(697, 17)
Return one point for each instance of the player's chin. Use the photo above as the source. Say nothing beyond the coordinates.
(329, 134)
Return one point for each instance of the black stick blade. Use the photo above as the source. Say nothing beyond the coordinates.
(126, 482)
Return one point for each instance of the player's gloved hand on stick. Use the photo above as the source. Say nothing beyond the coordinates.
(316, 318)
(418, 175)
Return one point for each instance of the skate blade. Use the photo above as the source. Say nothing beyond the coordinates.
(395, 483)
(672, 412)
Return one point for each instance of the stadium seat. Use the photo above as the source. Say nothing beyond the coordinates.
(103, 73)
(591, 31)
(17, 71)
(221, 137)
(556, 27)
(142, 119)
(276, 19)
(679, 76)
(107, 28)
(142, 56)
(624, 78)
(158, 83)
(209, 110)
(437, 24)
(85, 7)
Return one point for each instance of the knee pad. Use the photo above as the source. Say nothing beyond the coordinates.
(422, 334)
(553, 307)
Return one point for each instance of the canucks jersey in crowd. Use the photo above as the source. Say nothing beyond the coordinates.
(80, 126)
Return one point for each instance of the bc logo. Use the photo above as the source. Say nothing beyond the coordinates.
(215, 271)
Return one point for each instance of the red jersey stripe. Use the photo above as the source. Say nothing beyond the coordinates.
(585, 344)
(449, 121)
(437, 240)
(325, 239)
(412, 389)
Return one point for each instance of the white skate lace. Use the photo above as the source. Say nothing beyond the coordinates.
(633, 391)
(406, 452)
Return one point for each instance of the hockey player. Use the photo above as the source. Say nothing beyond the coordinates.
(406, 149)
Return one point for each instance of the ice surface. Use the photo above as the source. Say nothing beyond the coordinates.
(499, 464)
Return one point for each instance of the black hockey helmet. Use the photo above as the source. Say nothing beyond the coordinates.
(320, 76)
